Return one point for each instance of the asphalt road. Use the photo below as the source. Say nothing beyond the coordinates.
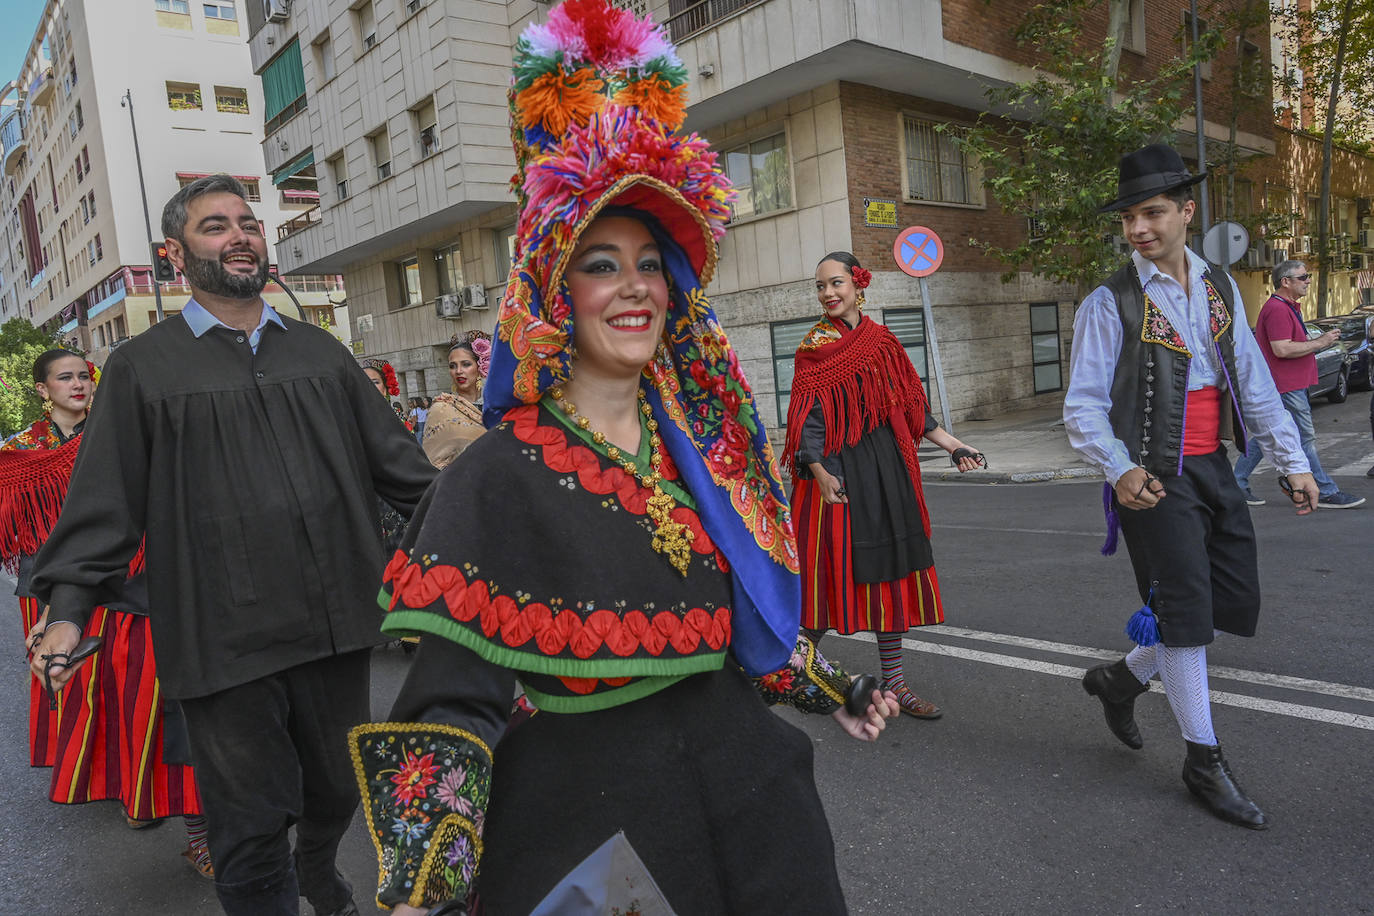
(1018, 800)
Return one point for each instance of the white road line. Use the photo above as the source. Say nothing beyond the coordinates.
(1313, 713)
(1262, 678)
(1000, 530)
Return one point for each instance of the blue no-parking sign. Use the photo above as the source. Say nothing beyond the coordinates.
(918, 251)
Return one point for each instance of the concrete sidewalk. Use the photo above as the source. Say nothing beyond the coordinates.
(1025, 447)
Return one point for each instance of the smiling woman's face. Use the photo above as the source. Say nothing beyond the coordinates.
(619, 297)
(836, 291)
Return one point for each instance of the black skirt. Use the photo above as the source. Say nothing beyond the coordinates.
(714, 791)
(888, 537)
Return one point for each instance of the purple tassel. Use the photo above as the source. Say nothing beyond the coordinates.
(1113, 521)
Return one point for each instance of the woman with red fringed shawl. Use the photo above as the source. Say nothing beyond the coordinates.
(856, 412)
(92, 758)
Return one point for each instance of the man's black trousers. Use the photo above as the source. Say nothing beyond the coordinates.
(270, 754)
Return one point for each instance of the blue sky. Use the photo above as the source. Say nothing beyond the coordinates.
(20, 18)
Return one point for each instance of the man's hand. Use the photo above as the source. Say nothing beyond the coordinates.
(61, 636)
(1304, 492)
(1329, 338)
(867, 728)
(1139, 489)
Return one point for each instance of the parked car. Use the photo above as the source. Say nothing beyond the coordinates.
(1357, 335)
(1333, 369)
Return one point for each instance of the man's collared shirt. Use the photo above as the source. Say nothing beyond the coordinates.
(1280, 319)
(201, 321)
(1097, 346)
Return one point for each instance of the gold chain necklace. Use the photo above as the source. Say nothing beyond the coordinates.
(671, 538)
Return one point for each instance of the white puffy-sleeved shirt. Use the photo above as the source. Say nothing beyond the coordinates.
(1097, 347)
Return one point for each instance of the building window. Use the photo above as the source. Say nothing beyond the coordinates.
(222, 9)
(324, 57)
(408, 277)
(427, 128)
(99, 251)
(283, 88)
(80, 175)
(411, 7)
(231, 99)
(909, 327)
(90, 252)
(339, 174)
(1044, 326)
(505, 249)
(762, 176)
(381, 153)
(80, 121)
(1135, 27)
(448, 264)
(251, 187)
(1254, 76)
(786, 337)
(85, 211)
(936, 169)
(183, 96)
(174, 6)
(365, 21)
(92, 199)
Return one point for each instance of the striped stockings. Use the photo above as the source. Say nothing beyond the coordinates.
(890, 655)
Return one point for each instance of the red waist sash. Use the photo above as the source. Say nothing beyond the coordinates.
(1202, 422)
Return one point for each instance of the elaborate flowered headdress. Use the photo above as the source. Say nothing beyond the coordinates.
(479, 342)
(393, 387)
(596, 101)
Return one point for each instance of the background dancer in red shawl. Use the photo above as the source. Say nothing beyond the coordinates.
(105, 738)
(856, 413)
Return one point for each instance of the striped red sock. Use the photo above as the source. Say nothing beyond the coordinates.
(890, 656)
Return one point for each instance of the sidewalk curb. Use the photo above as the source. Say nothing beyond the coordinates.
(1077, 473)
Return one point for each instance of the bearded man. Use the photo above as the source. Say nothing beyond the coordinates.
(247, 451)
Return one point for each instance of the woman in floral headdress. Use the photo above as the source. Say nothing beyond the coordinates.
(644, 564)
(455, 420)
(103, 735)
(857, 410)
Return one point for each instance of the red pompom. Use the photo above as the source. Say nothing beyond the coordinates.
(393, 388)
(861, 277)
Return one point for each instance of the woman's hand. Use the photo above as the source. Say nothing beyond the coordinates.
(36, 631)
(868, 727)
(832, 488)
(967, 462)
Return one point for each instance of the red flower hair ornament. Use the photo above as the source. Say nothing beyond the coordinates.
(861, 277)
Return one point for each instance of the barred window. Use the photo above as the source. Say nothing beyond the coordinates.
(936, 169)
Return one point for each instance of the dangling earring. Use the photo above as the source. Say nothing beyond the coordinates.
(860, 300)
(47, 405)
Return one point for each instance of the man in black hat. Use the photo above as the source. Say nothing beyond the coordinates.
(1164, 365)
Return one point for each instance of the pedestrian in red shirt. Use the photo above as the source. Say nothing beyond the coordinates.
(1292, 359)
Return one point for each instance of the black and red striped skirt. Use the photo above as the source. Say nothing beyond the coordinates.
(831, 598)
(104, 741)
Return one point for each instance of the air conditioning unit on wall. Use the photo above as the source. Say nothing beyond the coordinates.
(276, 10)
(449, 305)
(475, 296)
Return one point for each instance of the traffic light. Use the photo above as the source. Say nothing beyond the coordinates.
(163, 269)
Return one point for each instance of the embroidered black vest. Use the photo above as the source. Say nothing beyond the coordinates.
(1150, 385)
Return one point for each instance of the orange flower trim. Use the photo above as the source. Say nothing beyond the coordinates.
(554, 101)
(552, 631)
(535, 343)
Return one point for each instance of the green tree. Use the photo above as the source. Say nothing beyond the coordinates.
(20, 344)
(1049, 147)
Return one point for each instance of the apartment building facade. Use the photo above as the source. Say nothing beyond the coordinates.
(825, 113)
(74, 256)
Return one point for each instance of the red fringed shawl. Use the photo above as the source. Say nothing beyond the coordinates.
(33, 483)
(862, 379)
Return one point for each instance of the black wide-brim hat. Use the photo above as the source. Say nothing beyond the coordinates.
(1146, 172)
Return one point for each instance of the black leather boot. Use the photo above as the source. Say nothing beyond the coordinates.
(1208, 776)
(1117, 688)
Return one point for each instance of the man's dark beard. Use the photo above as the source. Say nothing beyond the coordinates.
(211, 276)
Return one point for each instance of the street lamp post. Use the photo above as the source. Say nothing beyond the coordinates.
(1204, 211)
(128, 102)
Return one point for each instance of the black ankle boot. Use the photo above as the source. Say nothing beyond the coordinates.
(1208, 776)
(1117, 688)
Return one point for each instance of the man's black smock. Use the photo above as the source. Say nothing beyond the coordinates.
(255, 477)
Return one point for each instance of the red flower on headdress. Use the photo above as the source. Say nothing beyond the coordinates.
(861, 277)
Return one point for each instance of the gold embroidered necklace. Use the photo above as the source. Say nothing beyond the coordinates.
(671, 538)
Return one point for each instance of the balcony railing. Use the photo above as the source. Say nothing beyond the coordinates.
(304, 221)
(704, 14)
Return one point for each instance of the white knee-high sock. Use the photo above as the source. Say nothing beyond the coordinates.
(1184, 672)
(1144, 662)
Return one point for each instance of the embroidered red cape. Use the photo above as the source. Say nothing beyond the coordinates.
(861, 378)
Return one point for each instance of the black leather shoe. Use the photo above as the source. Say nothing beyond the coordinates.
(1208, 776)
(348, 909)
(1117, 688)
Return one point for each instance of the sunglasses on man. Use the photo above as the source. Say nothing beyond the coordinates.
(1303, 277)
